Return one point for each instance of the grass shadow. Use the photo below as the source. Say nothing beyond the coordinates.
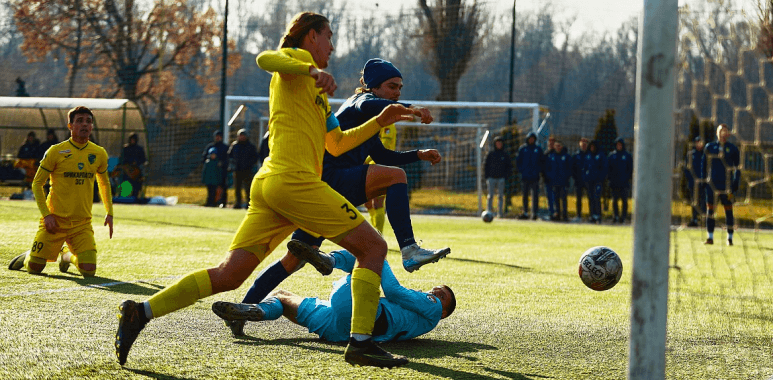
(111, 285)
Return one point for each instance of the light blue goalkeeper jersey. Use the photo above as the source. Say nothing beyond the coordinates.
(409, 313)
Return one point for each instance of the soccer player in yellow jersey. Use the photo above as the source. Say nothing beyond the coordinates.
(288, 192)
(66, 213)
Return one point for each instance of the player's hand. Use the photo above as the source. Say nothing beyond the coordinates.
(109, 222)
(423, 113)
(431, 155)
(324, 81)
(49, 221)
(394, 113)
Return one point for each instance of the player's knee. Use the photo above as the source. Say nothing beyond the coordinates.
(398, 175)
(87, 263)
(35, 265)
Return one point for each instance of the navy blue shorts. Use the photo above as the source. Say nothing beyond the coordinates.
(348, 182)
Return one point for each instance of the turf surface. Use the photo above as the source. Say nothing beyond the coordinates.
(522, 311)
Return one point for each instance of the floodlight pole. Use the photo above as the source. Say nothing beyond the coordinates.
(654, 158)
(223, 76)
(512, 68)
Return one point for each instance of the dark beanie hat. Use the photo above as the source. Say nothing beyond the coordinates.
(377, 71)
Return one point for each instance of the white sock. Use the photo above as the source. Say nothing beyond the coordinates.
(360, 337)
(148, 312)
(711, 235)
(729, 235)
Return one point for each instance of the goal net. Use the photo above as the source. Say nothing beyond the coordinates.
(720, 292)
(455, 186)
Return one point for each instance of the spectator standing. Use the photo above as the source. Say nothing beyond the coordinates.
(558, 170)
(549, 187)
(594, 174)
(243, 160)
(30, 148)
(212, 177)
(133, 160)
(620, 175)
(222, 156)
(529, 163)
(695, 173)
(578, 167)
(50, 140)
(497, 168)
(720, 163)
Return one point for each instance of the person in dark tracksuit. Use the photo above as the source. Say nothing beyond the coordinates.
(222, 156)
(620, 164)
(558, 170)
(497, 168)
(720, 163)
(578, 166)
(694, 174)
(243, 158)
(529, 163)
(594, 174)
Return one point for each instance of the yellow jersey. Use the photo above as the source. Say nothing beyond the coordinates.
(298, 114)
(72, 169)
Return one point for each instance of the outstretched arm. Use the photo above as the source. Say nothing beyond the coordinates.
(338, 142)
(409, 299)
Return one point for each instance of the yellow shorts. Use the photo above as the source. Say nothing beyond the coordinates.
(280, 204)
(78, 235)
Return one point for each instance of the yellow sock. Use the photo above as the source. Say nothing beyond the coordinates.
(191, 288)
(366, 290)
(379, 218)
(372, 213)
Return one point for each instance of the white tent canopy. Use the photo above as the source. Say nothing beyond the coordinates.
(114, 120)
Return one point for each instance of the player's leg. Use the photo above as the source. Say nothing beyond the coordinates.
(392, 182)
(551, 201)
(369, 248)
(378, 213)
(624, 199)
(729, 218)
(45, 248)
(710, 214)
(615, 199)
(82, 252)
(534, 199)
(500, 197)
(259, 233)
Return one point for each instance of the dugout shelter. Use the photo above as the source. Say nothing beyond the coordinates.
(114, 121)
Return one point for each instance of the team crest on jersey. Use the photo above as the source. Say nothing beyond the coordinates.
(80, 166)
(92, 158)
(388, 131)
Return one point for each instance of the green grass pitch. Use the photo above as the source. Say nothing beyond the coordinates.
(522, 312)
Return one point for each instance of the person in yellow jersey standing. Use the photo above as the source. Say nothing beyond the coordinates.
(288, 193)
(66, 213)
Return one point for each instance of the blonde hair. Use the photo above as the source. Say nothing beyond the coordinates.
(300, 25)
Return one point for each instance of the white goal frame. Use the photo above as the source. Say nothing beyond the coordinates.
(482, 130)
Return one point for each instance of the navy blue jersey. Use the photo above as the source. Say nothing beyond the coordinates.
(693, 168)
(355, 111)
(720, 163)
(530, 159)
(558, 168)
(620, 165)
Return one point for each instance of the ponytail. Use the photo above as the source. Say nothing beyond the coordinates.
(300, 25)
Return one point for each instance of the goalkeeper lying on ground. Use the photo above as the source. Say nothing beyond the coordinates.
(402, 314)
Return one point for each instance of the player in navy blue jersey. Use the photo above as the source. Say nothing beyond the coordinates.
(402, 313)
(357, 182)
(720, 164)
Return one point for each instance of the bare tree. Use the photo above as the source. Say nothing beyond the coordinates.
(135, 51)
(451, 31)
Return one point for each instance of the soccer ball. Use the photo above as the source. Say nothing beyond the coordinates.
(487, 216)
(600, 268)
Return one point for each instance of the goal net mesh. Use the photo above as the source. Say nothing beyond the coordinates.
(725, 292)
